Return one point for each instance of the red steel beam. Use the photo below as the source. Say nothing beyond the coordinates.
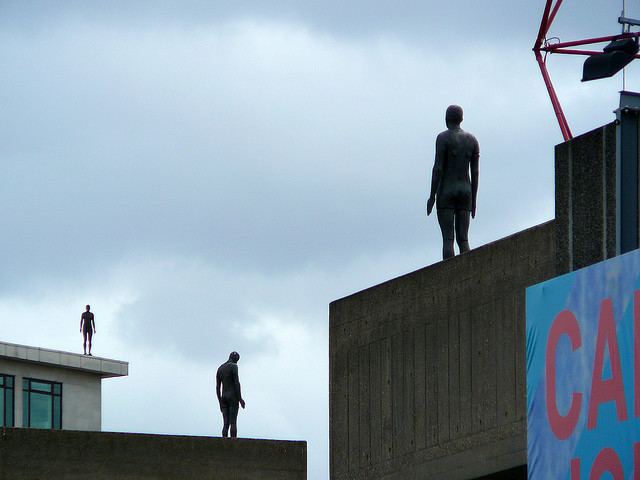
(557, 108)
(579, 52)
(553, 14)
(544, 26)
(589, 41)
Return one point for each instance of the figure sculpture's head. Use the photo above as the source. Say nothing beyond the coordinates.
(453, 117)
(88, 307)
(234, 357)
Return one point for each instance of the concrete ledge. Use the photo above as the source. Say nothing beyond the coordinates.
(27, 454)
(103, 367)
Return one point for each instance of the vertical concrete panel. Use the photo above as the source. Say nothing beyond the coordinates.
(454, 373)
(483, 369)
(354, 407)
(443, 377)
(420, 387)
(339, 339)
(408, 438)
(490, 399)
(587, 198)
(506, 361)
(364, 407)
(466, 356)
(397, 380)
(609, 181)
(375, 382)
(387, 400)
(564, 236)
(432, 403)
(521, 362)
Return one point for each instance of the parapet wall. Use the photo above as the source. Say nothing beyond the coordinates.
(27, 454)
(427, 371)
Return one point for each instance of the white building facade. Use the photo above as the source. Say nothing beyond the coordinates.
(42, 388)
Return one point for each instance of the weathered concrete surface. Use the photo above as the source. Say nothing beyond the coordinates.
(586, 199)
(427, 371)
(27, 454)
(102, 367)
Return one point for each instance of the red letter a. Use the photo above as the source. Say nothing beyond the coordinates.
(603, 391)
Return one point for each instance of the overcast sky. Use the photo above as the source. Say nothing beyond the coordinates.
(210, 175)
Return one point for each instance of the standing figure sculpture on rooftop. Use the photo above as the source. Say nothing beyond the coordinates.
(229, 395)
(87, 327)
(452, 191)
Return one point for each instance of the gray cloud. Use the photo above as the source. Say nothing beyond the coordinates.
(455, 24)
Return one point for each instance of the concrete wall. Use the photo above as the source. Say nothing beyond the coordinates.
(427, 371)
(81, 392)
(27, 454)
(586, 199)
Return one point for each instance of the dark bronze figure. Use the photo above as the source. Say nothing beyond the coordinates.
(87, 328)
(229, 395)
(452, 191)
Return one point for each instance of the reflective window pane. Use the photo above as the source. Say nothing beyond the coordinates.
(40, 409)
(9, 408)
(43, 387)
(9, 381)
(56, 412)
(42, 404)
(2, 395)
(1, 380)
(25, 384)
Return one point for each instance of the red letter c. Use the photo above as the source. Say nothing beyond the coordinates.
(562, 426)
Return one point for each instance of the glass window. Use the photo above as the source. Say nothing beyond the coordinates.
(6, 400)
(42, 404)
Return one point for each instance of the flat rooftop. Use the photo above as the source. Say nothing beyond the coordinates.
(103, 367)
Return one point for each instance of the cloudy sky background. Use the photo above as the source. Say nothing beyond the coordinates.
(210, 175)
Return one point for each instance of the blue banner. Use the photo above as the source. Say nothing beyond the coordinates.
(583, 373)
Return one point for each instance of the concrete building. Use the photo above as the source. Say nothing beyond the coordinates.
(427, 370)
(49, 389)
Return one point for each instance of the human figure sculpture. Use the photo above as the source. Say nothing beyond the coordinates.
(87, 328)
(229, 395)
(452, 191)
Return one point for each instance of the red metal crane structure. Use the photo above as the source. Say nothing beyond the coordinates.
(542, 47)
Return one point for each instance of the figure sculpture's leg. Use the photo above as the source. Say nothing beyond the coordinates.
(462, 230)
(233, 419)
(84, 344)
(445, 219)
(225, 420)
(90, 333)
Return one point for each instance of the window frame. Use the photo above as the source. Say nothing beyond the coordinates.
(8, 392)
(26, 400)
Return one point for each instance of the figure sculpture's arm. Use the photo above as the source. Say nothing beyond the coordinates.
(475, 172)
(81, 322)
(236, 382)
(436, 174)
(219, 389)
(94, 324)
